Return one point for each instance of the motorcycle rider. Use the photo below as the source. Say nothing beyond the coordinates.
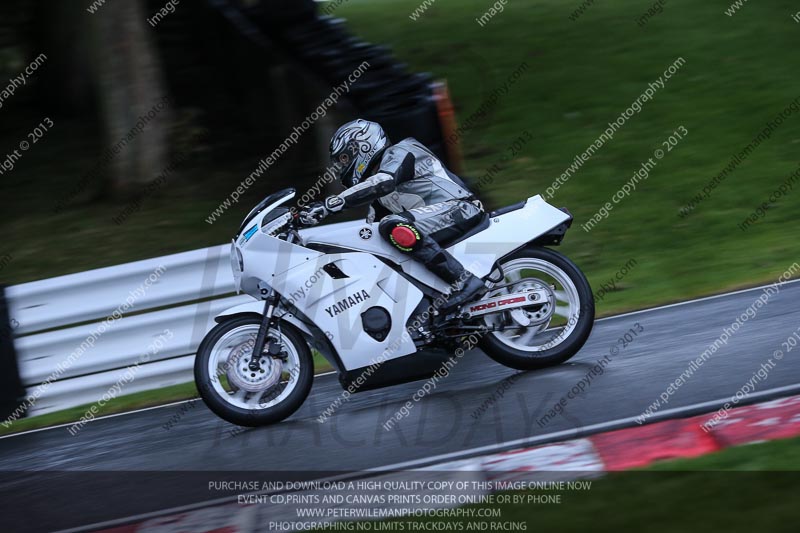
(425, 203)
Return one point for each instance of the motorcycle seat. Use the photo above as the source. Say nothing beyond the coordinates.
(508, 209)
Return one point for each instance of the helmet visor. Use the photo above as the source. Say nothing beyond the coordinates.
(343, 165)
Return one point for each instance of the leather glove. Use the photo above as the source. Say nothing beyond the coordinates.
(313, 213)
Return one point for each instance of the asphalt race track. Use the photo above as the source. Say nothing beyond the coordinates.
(441, 426)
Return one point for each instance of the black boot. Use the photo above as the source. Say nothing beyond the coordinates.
(464, 286)
(470, 290)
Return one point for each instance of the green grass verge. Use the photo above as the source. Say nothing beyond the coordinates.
(120, 404)
(778, 455)
(125, 403)
(740, 489)
(581, 75)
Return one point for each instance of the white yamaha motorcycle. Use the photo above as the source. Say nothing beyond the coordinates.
(376, 314)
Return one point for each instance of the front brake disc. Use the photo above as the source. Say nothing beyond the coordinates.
(240, 375)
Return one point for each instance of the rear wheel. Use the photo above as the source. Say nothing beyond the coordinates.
(547, 333)
(252, 398)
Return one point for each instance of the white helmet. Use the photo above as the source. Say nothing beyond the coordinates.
(354, 147)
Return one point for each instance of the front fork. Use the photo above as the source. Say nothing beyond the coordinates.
(271, 299)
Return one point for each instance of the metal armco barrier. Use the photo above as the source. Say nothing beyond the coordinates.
(55, 317)
(60, 315)
(11, 389)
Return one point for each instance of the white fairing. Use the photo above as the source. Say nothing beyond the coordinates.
(336, 305)
(333, 305)
(352, 235)
(506, 233)
(478, 253)
(334, 298)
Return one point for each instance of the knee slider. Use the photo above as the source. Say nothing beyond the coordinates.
(404, 237)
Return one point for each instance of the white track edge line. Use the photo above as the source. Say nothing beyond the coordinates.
(142, 410)
(651, 309)
(593, 428)
(696, 300)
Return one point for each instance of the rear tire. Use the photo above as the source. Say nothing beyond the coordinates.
(212, 389)
(564, 348)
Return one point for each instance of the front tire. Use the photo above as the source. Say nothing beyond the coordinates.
(246, 398)
(542, 335)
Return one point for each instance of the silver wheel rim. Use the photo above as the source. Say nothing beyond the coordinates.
(226, 357)
(546, 333)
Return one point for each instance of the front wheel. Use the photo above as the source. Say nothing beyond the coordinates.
(544, 334)
(252, 398)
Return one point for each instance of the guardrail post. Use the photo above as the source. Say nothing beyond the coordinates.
(12, 392)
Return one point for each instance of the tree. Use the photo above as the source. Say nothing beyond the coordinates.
(132, 92)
